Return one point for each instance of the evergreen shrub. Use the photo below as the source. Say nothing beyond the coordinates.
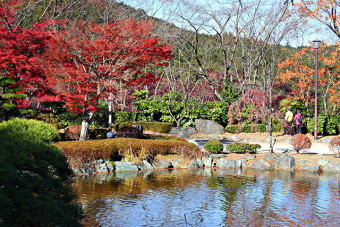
(213, 146)
(251, 128)
(242, 148)
(35, 131)
(301, 141)
(35, 179)
(327, 125)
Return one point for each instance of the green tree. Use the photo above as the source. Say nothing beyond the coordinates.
(8, 97)
(35, 179)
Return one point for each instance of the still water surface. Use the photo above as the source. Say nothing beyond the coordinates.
(210, 197)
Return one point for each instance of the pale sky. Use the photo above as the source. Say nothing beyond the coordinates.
(162, 8)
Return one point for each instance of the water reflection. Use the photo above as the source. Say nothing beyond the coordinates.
(210, 197)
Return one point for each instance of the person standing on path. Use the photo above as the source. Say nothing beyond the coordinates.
(289, 119)
(298, 121)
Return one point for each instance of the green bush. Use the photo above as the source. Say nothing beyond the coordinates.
(35, 131)
(251, 128)
(232, 129)
(242, 148)
(160, 137)
(121, 116)
(248, 129)
(213, 146)
(261, 128)
(161, 127)
(35, 179)
(327, 125)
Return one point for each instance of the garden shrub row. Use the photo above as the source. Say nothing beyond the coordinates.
(251, 128)
(242, 148)
(160, 127)
(327, 125)
(89, 150)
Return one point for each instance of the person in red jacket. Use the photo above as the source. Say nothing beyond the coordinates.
(298, 121)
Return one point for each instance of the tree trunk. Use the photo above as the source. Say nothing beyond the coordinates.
(85, 124)
(270, 134)
(110, 110)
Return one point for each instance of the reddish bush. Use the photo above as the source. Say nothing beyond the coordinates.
(334, 145)
(72, 132)
(129, 132)
(301, 141)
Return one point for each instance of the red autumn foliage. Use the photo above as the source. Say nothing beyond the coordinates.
(20, 50)
(86, 62)
(254, 106)
(72, 132)
(301, 141)
(334, 144)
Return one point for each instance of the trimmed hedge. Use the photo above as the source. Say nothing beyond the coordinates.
(327, 125)
(214, 146)
(242, 148)
(251, 128)
(89, 150)
(161, 127)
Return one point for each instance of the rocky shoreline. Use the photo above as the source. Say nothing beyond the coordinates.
(266, 162)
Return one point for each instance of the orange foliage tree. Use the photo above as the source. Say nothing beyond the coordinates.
(324, 11)
(298, 73)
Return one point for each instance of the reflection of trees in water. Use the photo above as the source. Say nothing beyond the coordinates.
(237, 197)
(229, 183)
(96, 194)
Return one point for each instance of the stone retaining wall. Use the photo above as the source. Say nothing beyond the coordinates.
(267, 162)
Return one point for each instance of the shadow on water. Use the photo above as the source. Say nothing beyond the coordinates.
(210, 197)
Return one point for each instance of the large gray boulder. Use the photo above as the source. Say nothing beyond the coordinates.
(269, 157)
(102, 166)
(208, 127)
(196, 164)
(224, 163)
(125, 166)
(284, 161)
(84, 170)
(332, 167)
(207, 161)
(163, 164)
(311, 168)
(175, 163)
(145, 165)
(181, 131)
(261, 164)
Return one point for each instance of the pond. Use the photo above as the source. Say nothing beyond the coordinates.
(210, 197)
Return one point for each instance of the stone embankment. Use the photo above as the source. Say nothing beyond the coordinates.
(264, 162)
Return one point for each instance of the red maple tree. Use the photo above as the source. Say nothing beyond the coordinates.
(86, 62)
(20, 50)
